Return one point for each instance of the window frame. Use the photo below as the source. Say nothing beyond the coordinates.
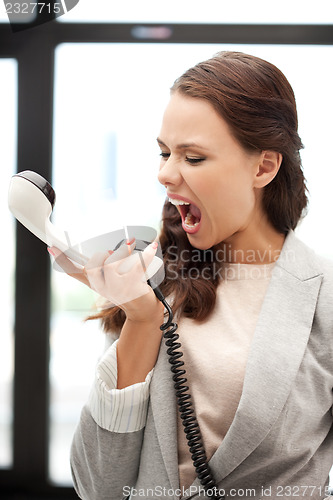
(33, 46)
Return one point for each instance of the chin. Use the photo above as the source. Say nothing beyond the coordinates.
(200, 244)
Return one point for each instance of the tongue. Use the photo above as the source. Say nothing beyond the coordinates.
(195, 211)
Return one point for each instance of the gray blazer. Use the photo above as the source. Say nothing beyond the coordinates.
(280, 443)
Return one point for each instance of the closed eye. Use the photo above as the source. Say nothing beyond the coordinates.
(194, 160)
(164, 155)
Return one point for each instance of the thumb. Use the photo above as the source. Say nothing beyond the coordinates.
(150, 263)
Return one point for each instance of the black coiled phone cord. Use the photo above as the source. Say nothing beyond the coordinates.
(186, 410)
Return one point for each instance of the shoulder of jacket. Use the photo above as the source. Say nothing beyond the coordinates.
(300, 260)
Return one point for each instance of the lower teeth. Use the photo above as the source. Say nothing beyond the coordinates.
(188, 219)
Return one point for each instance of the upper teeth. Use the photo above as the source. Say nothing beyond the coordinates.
(178, 202)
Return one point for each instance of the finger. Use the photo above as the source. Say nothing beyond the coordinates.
(150, 262)
(140, 261)
(97, 260)
(121, 253)
(96, 265)
(126, 265)
(147, 256)
(69, 267)
(94, 270)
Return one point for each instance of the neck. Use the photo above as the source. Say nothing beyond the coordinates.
(257, 244)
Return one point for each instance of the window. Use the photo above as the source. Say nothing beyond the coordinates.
(192, 11)
(104, 145)
(8, 134)
(78, 104)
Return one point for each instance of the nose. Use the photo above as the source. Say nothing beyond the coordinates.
(169, 174)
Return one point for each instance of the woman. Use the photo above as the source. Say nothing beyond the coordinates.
(253, 306)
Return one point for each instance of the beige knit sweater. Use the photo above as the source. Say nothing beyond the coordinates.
(215, 356)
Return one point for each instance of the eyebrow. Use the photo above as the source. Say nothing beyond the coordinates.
(182, 146)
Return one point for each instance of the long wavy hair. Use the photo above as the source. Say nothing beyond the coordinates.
(256, 100)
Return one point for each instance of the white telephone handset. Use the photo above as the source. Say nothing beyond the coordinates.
(31, 199)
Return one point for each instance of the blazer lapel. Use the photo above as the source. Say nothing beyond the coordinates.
(280, 339)
(164, 408)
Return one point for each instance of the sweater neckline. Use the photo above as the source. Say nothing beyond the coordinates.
(240, 271)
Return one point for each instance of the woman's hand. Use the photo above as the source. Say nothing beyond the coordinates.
(118, 276)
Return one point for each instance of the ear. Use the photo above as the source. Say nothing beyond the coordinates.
(267, 168)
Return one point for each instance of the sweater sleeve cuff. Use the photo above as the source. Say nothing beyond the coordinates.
(117, 410)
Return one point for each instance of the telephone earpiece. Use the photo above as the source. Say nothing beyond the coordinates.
(31, 200)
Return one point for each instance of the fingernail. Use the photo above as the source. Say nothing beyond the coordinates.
(50, 251)
(154, 245)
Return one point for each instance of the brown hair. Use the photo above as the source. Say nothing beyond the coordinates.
(258, 103)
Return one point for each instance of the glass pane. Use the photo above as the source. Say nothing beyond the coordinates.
(191, 11)
(8, 138)
(3, 14)
(109, 101)
(75, 348)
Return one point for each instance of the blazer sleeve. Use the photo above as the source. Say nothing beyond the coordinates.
(104, 464)
(106, 447)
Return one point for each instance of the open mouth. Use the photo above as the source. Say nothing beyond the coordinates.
(190, 213)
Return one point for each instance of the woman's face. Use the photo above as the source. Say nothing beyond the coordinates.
(203, 164)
